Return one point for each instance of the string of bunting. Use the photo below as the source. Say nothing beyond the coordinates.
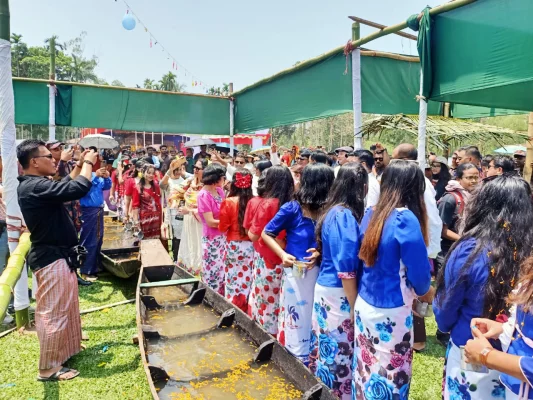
(129, 21)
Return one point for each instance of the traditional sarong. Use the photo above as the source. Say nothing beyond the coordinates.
(263, 303)
(57, 314)
(462, 384)
(190, 252)
(92, 237)
(332, 340)
(150, 224)
(383, 356)
(296, 301)
(238, 271)
(214, 253)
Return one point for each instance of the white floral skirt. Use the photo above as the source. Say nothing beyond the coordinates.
(332, 340)
(461, 384)
(296, 301)
(190, 252)
(383, 351)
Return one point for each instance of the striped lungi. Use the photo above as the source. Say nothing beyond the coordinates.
(57, 315)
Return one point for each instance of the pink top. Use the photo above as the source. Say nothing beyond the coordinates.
(208, 203)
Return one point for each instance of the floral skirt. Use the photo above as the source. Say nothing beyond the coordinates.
(461, 384)
(213, 262)
(383, 356)
(239, 269)
(263, 304)
(296, 301)
(332, 340)
(190, 251)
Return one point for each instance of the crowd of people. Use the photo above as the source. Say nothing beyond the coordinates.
(333, 253)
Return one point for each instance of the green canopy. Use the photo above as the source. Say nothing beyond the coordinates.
(482, 55)
(121, 108)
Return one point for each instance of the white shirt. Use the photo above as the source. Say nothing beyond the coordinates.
(372, 196)
(434, 221)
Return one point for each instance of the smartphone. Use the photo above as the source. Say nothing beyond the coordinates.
(103, 164)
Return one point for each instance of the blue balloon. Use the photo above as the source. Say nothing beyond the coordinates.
(128, 22)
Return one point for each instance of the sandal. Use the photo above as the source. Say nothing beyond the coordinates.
(58, 374)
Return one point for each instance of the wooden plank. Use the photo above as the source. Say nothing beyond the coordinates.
(153, 254)
(175, 282)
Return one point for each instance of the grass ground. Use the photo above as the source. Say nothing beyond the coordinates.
(117, 373)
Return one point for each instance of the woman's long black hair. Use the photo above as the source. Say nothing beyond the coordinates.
(315, 183)
(142, 181)
(499, 217)
(277, 184)
(443, 178)
(348, 190)
(402, 185)
(243, 194)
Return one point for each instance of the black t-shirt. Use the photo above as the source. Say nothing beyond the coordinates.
(51, 228)
(449, 214)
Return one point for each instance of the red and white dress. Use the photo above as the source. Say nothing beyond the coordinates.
(239, 255)
(263, 303)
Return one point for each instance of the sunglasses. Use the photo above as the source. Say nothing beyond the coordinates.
(378, 158)
(240, 162)
(49, 156)
(198, 169)
(304, 158)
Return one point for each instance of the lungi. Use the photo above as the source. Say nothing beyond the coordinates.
(92, 237)
(57, 314)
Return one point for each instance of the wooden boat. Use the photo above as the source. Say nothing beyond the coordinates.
(196, 345)
(120, 249)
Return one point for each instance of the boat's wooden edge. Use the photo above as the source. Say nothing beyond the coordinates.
(144, 358)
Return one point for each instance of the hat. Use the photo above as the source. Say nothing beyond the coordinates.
(520, 153)
(346, 149)
(53, 144)
(442, 160)
(178, 162)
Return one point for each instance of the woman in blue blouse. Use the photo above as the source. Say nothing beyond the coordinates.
(395, 270)
(480, 272)
(297, 218)
(338, 239)
(515, 362)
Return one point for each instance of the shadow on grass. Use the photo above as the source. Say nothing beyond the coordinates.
(94, 293)
(126, 325)
(91, 365)
(51, 390)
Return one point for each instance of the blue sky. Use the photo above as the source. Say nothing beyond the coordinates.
(218, 41)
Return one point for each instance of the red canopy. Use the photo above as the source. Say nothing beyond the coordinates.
(244, 139)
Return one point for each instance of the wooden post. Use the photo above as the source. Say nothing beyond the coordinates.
(8, 135)
(529, 153)
(52, 91)
(231, 121)
(446, 151)
(356, 89)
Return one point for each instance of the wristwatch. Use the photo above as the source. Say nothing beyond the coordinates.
(484, 353)
(88, 162)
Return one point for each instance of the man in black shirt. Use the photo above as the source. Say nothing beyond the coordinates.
(53, 235)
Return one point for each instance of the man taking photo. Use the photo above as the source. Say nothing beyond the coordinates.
(52, 255)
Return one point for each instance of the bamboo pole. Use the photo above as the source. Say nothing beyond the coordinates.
(529, 152)
(11, 275)
(5, 28)
(356, 90)
(69, 83)
(52, 92)
(379, 26)
(383, 32)
(231, 121)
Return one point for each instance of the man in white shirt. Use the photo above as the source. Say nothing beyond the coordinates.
(366, 159)
(342, 157)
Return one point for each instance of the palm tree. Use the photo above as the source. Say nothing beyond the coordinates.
(58, 45)
(149, 84)
(19, 50)
(168, 82)
(82, 70)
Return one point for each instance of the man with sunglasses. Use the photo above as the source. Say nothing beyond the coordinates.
(342, 157)
(381, 160)
(51, 257)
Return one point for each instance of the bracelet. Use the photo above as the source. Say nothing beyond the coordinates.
(483, 355)
(88, 162)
